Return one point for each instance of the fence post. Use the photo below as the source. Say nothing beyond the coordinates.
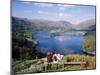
(45, 67)
(63, 65)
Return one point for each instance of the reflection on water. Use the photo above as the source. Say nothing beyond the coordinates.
(59, 44)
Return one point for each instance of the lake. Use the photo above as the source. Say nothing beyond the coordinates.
(63, 44)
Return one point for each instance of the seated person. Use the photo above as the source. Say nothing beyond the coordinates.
(49, 57)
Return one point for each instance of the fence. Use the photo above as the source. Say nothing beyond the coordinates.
(48, 67)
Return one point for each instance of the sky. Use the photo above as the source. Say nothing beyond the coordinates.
(50, 11)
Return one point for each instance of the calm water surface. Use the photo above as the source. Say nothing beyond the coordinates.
(59, 44)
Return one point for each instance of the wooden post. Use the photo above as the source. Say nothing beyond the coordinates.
(45, 67)
(36, 58)
(41, 67)
(63, 66)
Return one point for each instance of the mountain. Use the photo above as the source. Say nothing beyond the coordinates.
(87, 25)
(35, 25)
(22, 24)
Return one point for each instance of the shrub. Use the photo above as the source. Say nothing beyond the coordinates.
(90, 61)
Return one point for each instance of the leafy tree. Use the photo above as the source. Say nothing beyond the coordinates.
(90, 43)
(22, 47)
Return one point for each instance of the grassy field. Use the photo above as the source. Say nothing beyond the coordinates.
(38, 66)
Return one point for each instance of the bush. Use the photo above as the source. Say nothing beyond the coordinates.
(90, 61)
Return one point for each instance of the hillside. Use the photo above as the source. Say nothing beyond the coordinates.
(87, 25)
(25, 25)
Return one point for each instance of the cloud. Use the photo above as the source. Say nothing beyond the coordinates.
(38, 4)
(27, 11)
(66, 5)
(43, 4)
(64, 15)
(42, 12)
(61, 8)
(61, 14)
(26, 2)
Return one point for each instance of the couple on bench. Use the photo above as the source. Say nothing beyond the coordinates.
(54, 58)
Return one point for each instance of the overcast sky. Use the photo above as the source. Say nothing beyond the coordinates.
(48, 11)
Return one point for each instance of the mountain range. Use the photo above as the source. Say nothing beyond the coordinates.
(87, 25)
(26, 25)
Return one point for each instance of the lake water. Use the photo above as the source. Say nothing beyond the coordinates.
(59, 44)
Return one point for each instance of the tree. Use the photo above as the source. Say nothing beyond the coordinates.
(23, 48)
(89, 43)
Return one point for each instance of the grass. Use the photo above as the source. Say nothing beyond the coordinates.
(21, 65)
(90, 61)
(24, 66)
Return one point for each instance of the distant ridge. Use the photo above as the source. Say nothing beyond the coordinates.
(26, 25)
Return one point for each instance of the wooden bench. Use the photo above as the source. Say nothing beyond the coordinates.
(74, 63)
